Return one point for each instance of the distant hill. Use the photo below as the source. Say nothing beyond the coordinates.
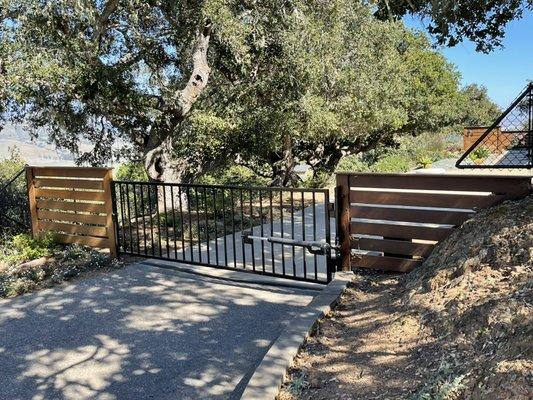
(37, 151)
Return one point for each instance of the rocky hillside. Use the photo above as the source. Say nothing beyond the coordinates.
(475, 293)
(459, 327)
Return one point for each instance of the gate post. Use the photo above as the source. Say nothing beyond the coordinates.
(342, 198)
(110, 212)
(31, 201)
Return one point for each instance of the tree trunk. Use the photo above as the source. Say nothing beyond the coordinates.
(159, 160)
(283, 169)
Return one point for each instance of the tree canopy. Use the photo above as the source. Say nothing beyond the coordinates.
(189, 86)
(451, 21)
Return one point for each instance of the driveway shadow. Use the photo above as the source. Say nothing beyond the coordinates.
(140, 333)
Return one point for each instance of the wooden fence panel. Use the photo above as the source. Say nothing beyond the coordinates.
(394, 221)
(73, 202)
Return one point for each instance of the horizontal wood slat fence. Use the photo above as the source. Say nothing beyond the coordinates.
(73, 202)
(393, 221)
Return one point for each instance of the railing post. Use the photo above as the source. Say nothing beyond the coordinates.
(32, 202)
(342, 198)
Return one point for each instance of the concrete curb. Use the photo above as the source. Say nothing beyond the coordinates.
(267, 378)
(236, 275)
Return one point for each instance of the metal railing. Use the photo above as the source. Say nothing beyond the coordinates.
(14, 210)
(272, 231)
(508, 142)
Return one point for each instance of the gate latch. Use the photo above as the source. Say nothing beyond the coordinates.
(317, 248)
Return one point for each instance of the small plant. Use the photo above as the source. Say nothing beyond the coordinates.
(298, 383)
(479, 154)
(425, 162)
(446, 386)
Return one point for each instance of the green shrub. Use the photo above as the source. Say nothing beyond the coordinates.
(234, 175)
(131, 171)
(23, 247)
(12, 165)
(480, 153)
(425, 162)
(353, 163)
(393, 163)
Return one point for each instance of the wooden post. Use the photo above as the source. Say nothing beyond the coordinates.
(32, 202)
(110, 220)
(342, 198)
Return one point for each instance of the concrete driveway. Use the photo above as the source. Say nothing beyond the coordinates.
(143, 332)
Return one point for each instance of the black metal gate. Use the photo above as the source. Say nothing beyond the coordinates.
(283, 232)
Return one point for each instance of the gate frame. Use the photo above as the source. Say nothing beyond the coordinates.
(328, 209)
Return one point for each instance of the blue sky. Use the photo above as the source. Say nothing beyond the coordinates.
(504, 72)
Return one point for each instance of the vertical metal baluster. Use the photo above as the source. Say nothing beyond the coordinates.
(122, 218)
(174, 221)
(224, 228)
(189, 218)
(252, 228)
(143, 210)
(282, 231)
(314, 235)
(328, 235)
(166, 219)
(182, 222)
(207, 226)
(129, 216)
(271, 194)
(232, 199)
(292, 235)
(242, 230)
(262, 229)
(151, 219)
(198, 223)
(135, 209)
(303, 235)
(158, 220)
(214, 194)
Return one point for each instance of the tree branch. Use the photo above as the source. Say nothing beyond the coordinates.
(200, 71)
(103, 20)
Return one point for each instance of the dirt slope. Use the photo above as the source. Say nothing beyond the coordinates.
(460, 327)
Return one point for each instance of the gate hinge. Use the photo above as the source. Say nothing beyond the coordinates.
(331, 207)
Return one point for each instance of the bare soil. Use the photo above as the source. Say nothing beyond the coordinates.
(459, 327)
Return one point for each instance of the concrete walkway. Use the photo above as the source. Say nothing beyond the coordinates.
(140, 333)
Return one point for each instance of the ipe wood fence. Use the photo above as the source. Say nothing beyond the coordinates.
(74, 203)
(393, 221)
(383, 221)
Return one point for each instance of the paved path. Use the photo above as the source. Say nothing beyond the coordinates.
(143, 332)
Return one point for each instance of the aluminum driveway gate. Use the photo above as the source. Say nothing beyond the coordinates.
(282, 232)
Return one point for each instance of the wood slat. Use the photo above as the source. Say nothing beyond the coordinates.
(69, 194)
(400, 231)
(69, 183)
(71, 228)
(385, 263)
(495, 184)
(424, 199)
(71, 206)
(63, 216)
(82, 240)
(410, 215)
(393, 246)
(71, 172)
